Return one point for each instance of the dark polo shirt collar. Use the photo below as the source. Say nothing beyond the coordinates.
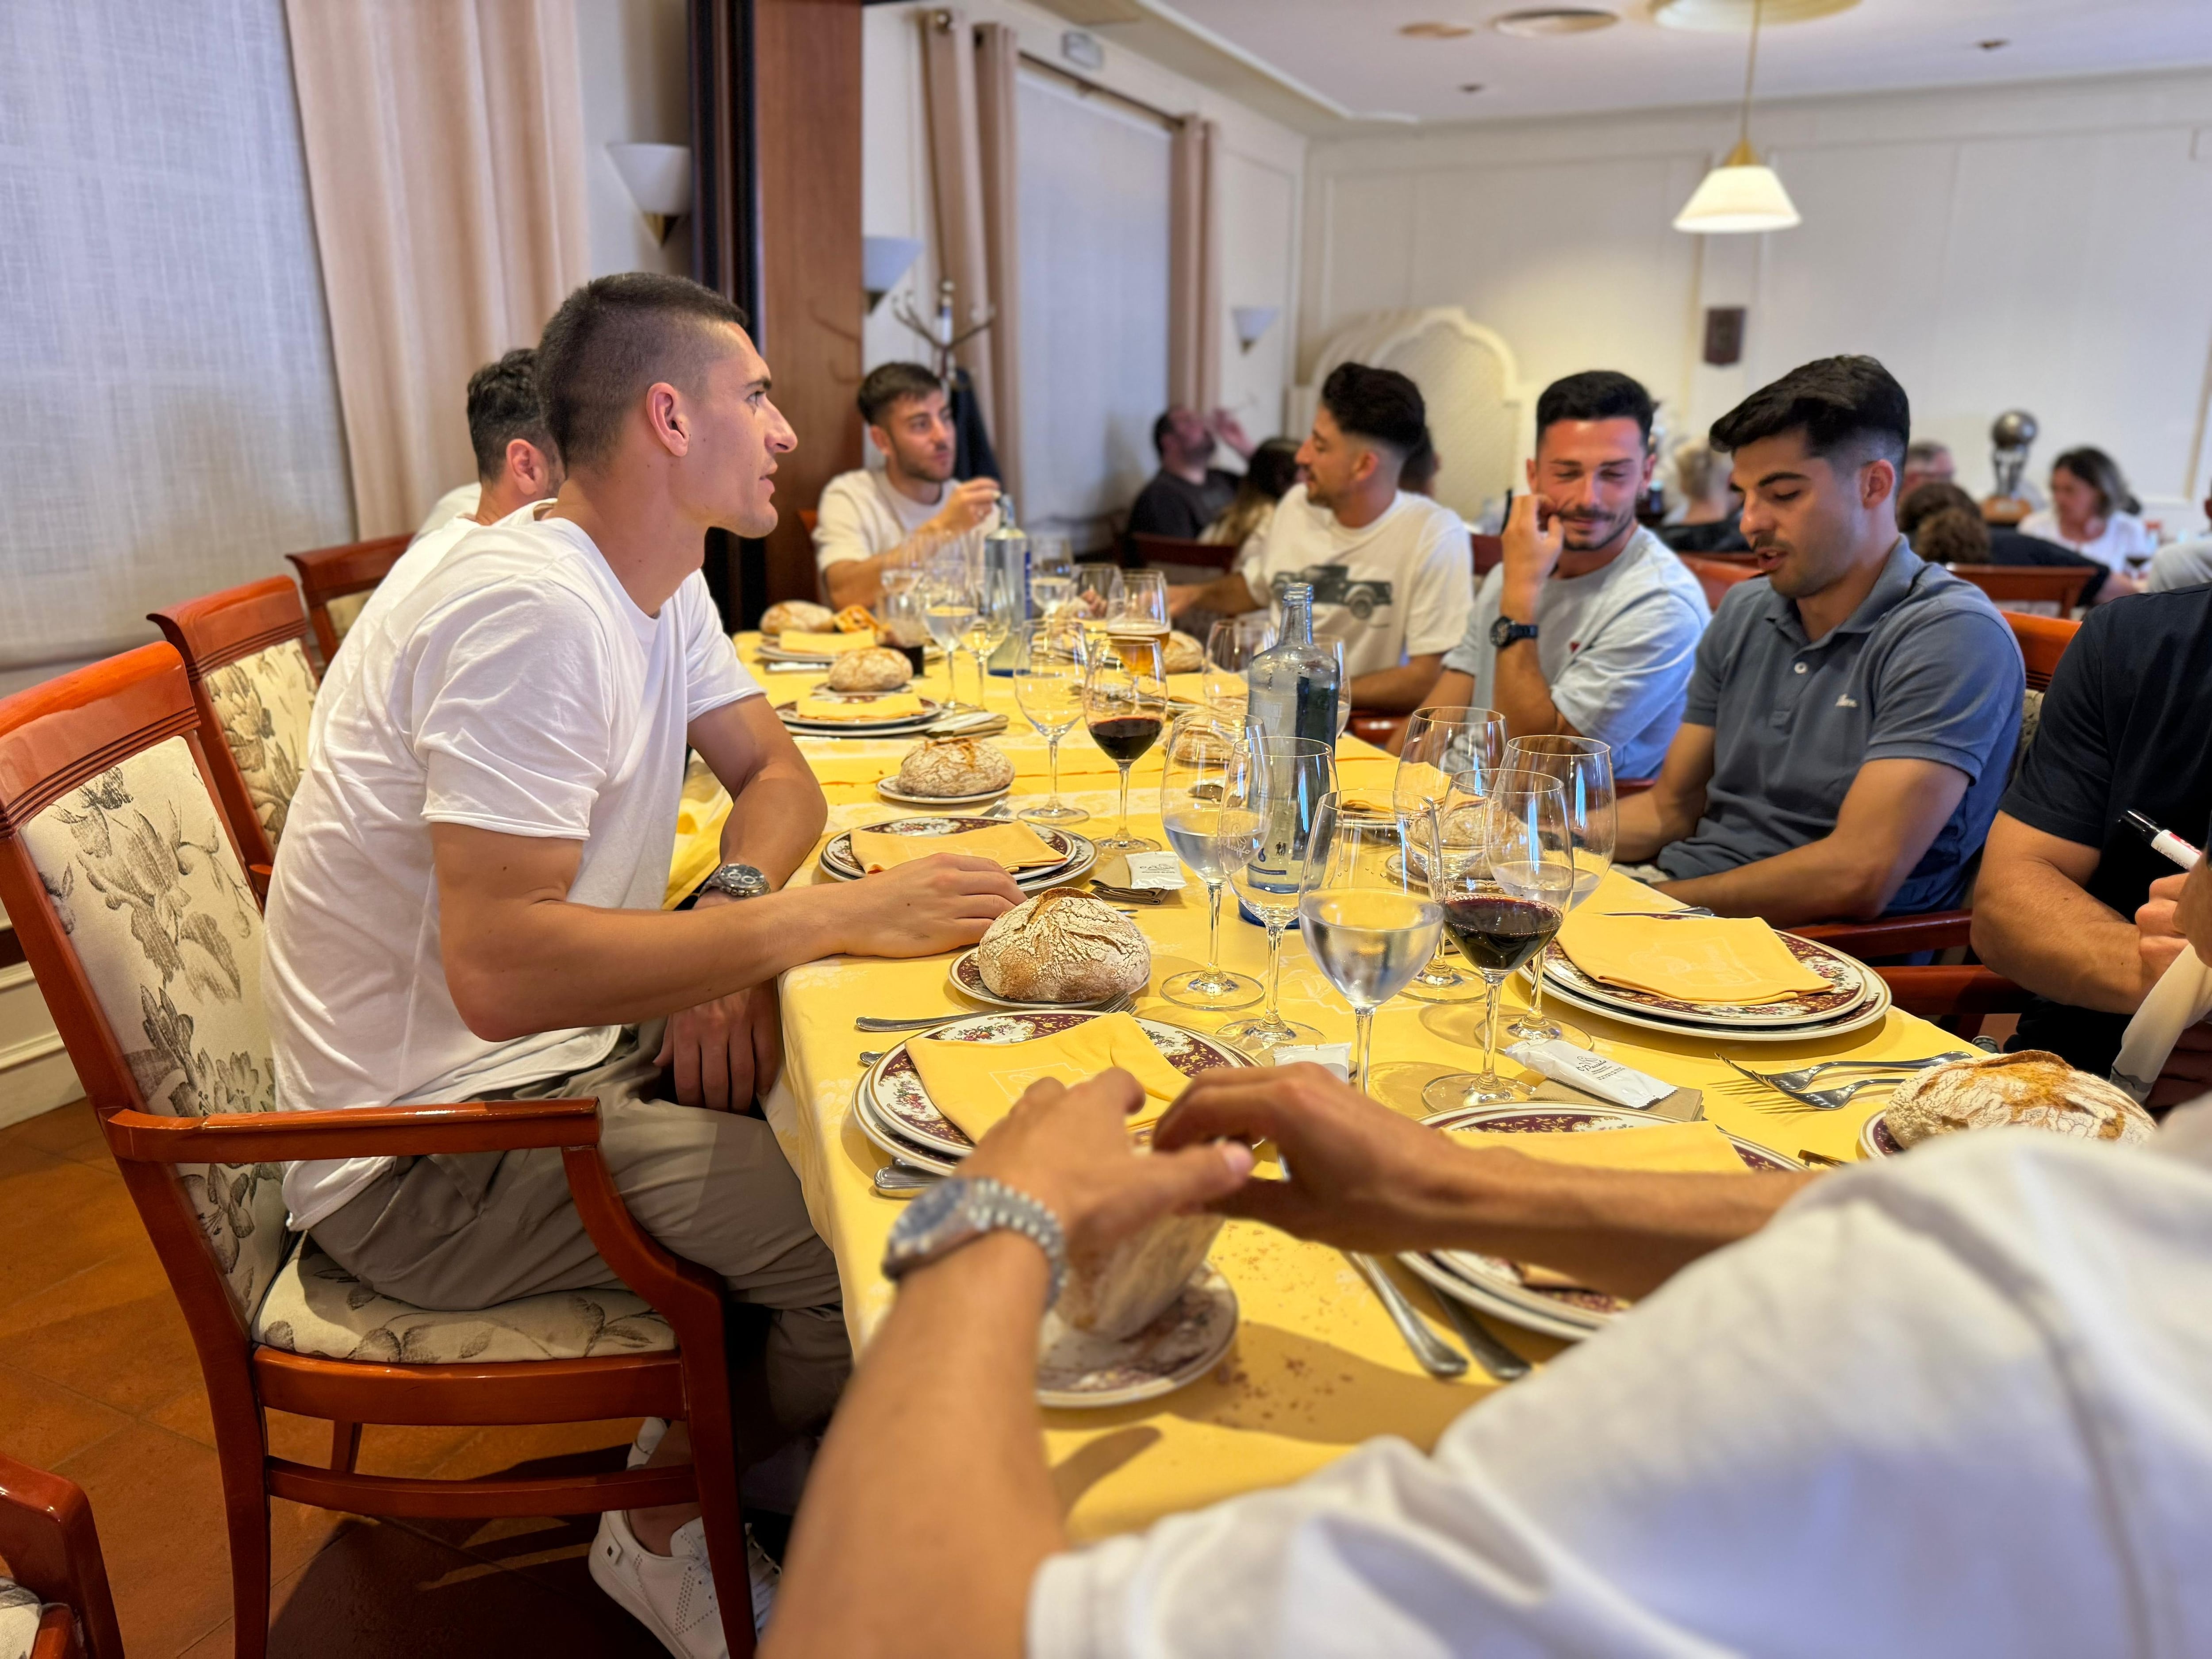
(1899, 573)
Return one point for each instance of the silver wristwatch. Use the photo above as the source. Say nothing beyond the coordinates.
(960, 1211)
(740, 881)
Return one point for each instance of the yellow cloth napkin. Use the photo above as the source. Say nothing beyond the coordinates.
(1672, 1148)
(1697, 959)
(822, 645)
(977, 1084)
(1016, 846)
(892, 706)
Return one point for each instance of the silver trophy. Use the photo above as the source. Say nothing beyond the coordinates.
(2010, 436)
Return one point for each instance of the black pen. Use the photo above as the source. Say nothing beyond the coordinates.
(2163, 840)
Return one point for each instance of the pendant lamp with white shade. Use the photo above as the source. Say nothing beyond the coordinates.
(1742, 193)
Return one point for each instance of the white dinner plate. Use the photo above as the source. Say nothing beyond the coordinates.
(1869, 1013)
(1848, 981)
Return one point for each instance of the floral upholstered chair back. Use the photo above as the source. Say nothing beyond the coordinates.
(263, 703)
(145, 881)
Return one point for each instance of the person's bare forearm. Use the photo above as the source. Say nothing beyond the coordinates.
(2034, 926)
(1650, 820)
(1524, 697)
(775, 819)
(953, 1533)
(1397, 690)
(1227, 596)
(1824, 880)
(853, 581)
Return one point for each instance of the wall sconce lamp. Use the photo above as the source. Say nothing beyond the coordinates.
(658, 179)
(884, 260)
(1253, 323)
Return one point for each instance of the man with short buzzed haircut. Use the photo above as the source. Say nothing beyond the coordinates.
(469, 901)
(869, 521)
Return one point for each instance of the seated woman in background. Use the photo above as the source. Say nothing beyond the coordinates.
(2093, 511)
(1269, 474)
(1710, 506)
(1945, 527)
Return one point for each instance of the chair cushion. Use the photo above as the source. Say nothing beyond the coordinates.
(265, 703)
(317, 1307)
(145, 881)
(19, 1621)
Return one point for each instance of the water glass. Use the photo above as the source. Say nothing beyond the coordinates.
(1584, 767)
(1048, 687)
(1267, 826)
(1369, 923)
(1204, 760)
(1230, 645)
(1125, 707)
(948, 610)
(1441, 741)
(1052, 574)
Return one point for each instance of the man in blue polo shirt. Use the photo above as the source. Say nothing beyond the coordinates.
(1854, 709)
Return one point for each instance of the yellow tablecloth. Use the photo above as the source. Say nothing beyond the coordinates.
(1316, 1367)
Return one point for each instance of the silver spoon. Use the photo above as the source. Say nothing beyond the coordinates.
(1437, 1357)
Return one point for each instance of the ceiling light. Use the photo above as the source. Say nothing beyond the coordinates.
(1727, 16)
(1553, 20)
(1741, 193)
(1437, 31)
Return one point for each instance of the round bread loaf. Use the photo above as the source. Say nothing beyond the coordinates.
(1063, 947)
(954, 766)
(797, 616)
(876, 669)
(1183, 654)
(2033, 1089)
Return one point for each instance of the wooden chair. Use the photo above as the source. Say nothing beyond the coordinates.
(1489, 553)
(245, 656)
(2042, 641)
(1147, 551)
(1715, 575)
(808, 517)
(331, 574)
(1372, 726)
(1959, 999)
(119, 876)
(2030, 584)
(52, 1550)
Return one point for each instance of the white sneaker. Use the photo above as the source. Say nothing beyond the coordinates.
(649, 1435)
(673, 1596)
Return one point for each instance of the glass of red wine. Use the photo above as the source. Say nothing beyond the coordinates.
(1125, 709)
(1504, 872)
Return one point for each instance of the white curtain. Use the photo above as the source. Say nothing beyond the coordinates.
(168, 415)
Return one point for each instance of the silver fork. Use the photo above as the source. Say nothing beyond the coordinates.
(1804, 1075)
(870, 1023)
(1824, 1100)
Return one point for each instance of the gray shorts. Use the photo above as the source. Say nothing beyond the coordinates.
(466, 1231)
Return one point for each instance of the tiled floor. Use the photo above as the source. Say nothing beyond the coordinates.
(98, 1382)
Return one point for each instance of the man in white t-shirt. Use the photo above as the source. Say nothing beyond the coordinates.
(868, 520)
(1955, 1402)
(516, 466)
(472, 907)
(1392, 573)
(1588, 626)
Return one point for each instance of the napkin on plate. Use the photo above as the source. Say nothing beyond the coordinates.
(1695, 959)
(1016, 846)
(1669, 1148)
(891, 706)
(800, 644)
(977, 1084)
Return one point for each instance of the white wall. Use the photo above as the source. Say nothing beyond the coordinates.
(636, 90)
(2045, 247)
(1262, 167)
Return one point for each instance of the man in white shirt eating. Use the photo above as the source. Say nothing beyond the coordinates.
(1588, 626)
(868, 521)
(468, 902)
(1392, 573)
(1958, 1402)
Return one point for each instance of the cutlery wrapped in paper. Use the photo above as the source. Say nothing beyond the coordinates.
(1118, 1294)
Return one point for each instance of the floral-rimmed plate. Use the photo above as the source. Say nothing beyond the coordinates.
(891, 725)
(898, 796)
(1871, 1012)
(1875, 1139)
(1496, 1285)
(1077, 853)
(892, 1094)
(967, 977)
(1077, 1371)
(1847, 991)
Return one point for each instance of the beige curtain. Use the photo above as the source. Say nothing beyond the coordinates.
(998, 55)
(446, 160)
(1194, 266)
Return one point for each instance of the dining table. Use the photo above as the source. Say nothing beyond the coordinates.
(1316, 1366)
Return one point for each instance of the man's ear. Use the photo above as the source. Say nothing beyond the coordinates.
(664, 418)
(1877, 482)
(1364, 465)
(880, 439)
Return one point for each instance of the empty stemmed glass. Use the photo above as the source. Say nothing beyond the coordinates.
(1502, 870)
(1584, 767)
(1230, 645)
(1369, 921)
(1125, 705)
(998, 604)
(1205, 761)
(1441, 741)
(1052, 574)
(1267, 826)
(948, 610)
(1048, 686)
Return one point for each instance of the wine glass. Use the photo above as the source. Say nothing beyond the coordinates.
(1584, 767)
(1125, 705)
(948, 608)
(1097, 590)
(998, 603)
(1267, 825)
(1051, 573)
(1335, 649)
(1230, 645)
(1048, 686)
(1498, 919)
(1369, 921)
(1204, 758)
(1441, 741)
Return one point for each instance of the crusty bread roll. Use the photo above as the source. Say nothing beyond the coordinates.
(855, 619)
(876, 669)
(1183, 653)
(1063, 947)
(954, 766)
(2033, 1089)
(1118, 1294)
(796, 616)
